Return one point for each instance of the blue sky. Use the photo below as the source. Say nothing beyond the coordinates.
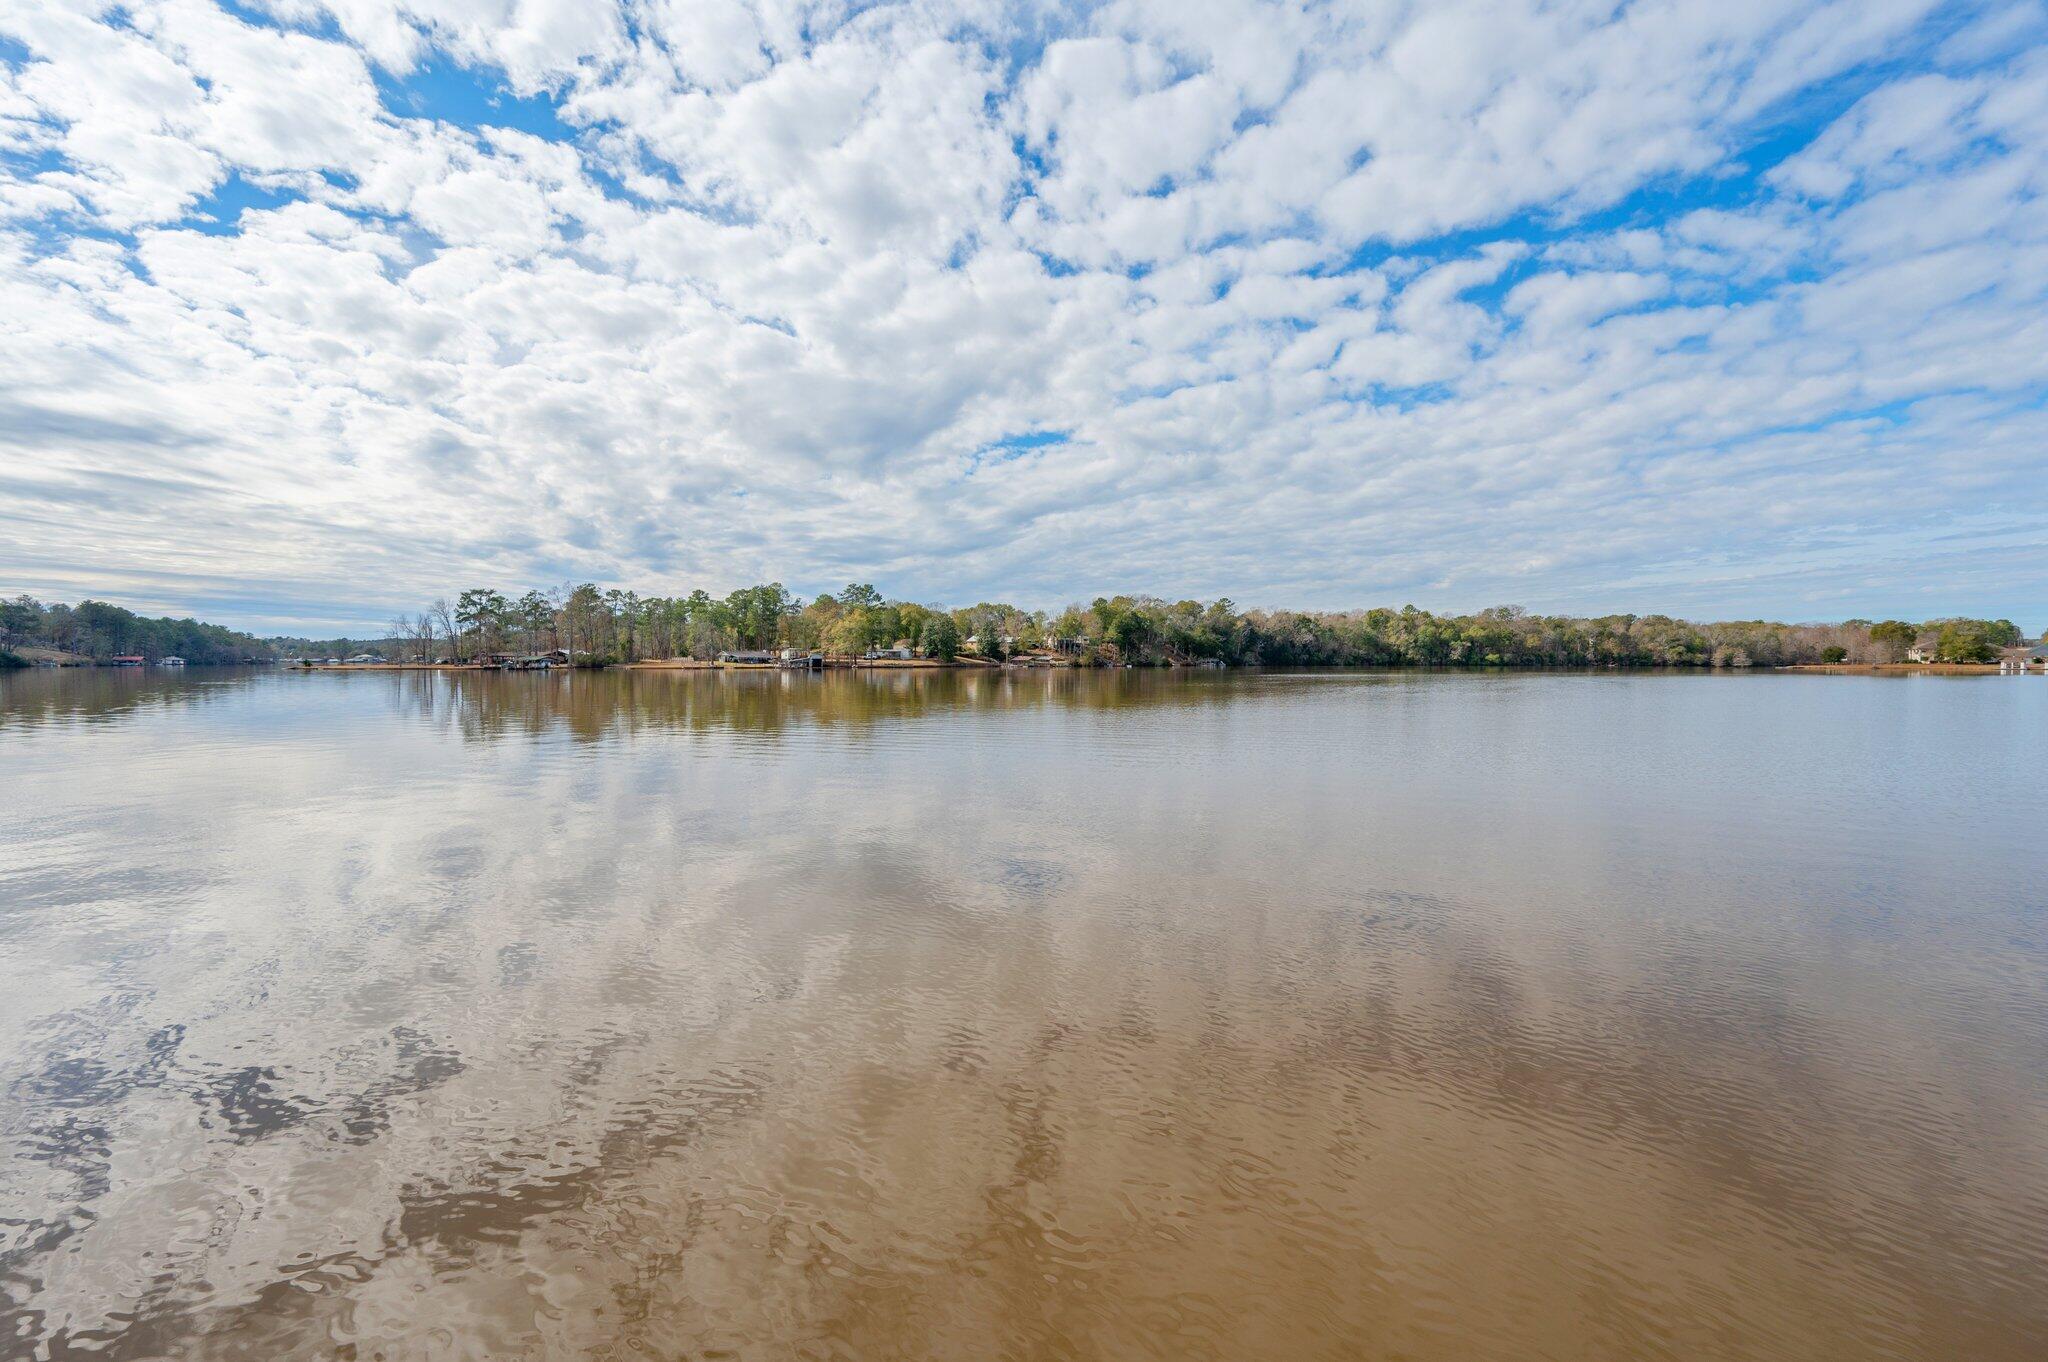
(317, 311)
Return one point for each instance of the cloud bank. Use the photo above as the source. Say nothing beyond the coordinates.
(311, 309)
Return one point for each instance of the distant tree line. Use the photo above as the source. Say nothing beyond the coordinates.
(599, 626)
(611, 625)
(98, 631)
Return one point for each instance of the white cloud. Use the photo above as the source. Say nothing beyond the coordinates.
(1552, 305)
(1333, 302)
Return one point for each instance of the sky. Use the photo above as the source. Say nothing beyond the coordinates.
(314, 310)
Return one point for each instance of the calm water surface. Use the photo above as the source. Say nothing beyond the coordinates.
(1236, 1016)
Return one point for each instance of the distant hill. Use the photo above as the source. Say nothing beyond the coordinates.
(93, 631)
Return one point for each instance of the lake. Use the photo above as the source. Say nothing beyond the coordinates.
(1234, 1015)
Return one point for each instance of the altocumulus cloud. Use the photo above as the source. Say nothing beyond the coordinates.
(309, 309)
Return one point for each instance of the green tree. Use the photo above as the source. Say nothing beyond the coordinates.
(848, 635)
(755, 613)
(1893, 638)
(480, 614)
(623, 609)
(940, 637)
(582, 619)
(536, 616)
(20, 617)
(910, 620)
(1071, 626)
(1965, 641)
(1124, 628)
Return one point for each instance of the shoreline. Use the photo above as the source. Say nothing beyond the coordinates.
(921, 664)
(687, 664)
(1900, 669)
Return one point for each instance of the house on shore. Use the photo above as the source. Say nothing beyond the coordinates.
(972, 644)
(536, 662)
(126, 660)
(748, 657)
(170, 662)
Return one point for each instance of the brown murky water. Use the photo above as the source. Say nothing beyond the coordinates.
(1237, 1016)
